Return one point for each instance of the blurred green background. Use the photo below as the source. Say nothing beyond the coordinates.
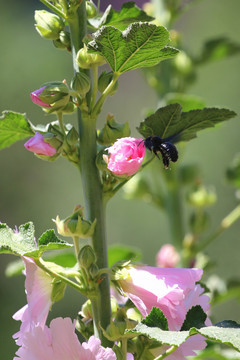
(31, 189)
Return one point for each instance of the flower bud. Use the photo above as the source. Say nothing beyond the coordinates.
(38, 146)
(48, 25)
(86, 257)
(65, 39)
(72, 136)
(112, 131)
(86, 60)
(233, 172)
(200, 196)
(58, 44)
(167, 256)
(81, 83)
(53, 96)
(183, 63)
(91, 9)
(104, 80)
(75, 225)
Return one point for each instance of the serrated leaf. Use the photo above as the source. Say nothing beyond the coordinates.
(217, 49)
(228, 336)
(169, 121)
(128, 14)
(140, 45)
(48, 241)
(17, 242)
(157, 319)
(195, 317)
(13, 127)
(120, 253)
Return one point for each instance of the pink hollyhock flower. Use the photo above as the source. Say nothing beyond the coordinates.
(167, 256)
(38, 287)
(60, 342)
(37, 145)
(126, 156)
(35, 97)
(174, 291)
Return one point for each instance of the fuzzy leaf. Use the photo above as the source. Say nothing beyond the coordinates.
(17, 242)
(195, 317)
(128, 14)
(141, 44)
(13, 127)
(169, 121)
(157, 319)
(48, 241)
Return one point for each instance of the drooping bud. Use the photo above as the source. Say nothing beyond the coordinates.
(104, 80)
(200, 196)
(86, 60)
(112, 131)
(75, 225)
(38, 146)
(81, 83)
(52, 96)
(91, 9)
(48, 25)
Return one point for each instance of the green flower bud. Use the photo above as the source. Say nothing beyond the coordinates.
(86, 310)
(104, 80)
(58, 44)
(199, 222)
(75, 225)
(56, 94)
(233, 172)
(200, 196)
(48, 25)
(86, 257)
(65, 39)
(81, 83)
(72, 136)
(91, 9)
(58, 290)
(183, 63)
(86, 60)
(112, 131)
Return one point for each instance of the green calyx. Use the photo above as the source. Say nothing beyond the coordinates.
(48, 25)
(87, 60)
(57, 95)
(81, 83)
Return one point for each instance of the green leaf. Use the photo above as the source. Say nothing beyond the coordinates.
(169, 121)
(128, 14)
(157, 319)
(48, 241)
(228, 336)
(13, 127)
(17, 242)
(120, 253)
(217, 49)
(195, 317)
(141, 44)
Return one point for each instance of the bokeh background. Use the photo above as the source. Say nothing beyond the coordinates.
(31, 189)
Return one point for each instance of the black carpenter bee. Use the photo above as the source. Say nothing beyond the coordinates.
(168, 151)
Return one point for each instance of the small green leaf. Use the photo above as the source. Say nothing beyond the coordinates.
(157, 319)
(128, 14)
(17, 242)
(48, 241)
(217, 49)
(141, 44)
(13, 127)
(120, 253)
(195, 317)
(169, 121)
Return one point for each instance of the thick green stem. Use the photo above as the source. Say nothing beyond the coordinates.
(94, 86)
(92, 188)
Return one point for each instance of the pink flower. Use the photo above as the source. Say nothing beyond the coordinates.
(126, 156)
(37, 145)
(35, 97)
(38, 287)
(167, 256)
(174, 291)
(60, 342)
